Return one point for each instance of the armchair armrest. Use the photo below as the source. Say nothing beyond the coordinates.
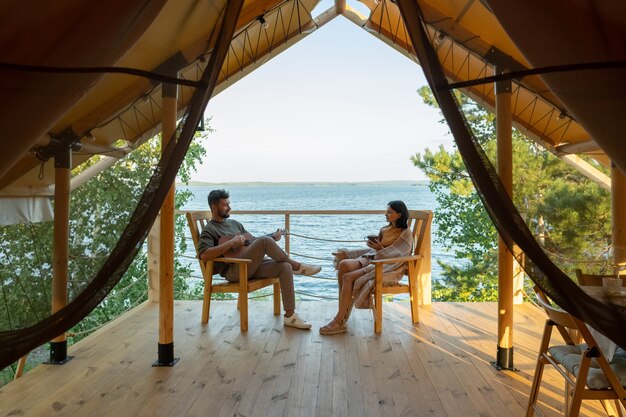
(397, 260)
(231, 260)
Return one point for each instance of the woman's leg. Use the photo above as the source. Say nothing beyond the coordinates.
(346, 265)
(345, 297)
(337, 325)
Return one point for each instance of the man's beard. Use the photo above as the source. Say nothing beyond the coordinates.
(224, 215)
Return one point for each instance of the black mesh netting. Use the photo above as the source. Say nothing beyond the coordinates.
(607, 317)
(16, 343)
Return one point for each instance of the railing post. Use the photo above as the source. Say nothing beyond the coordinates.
(424, 277)
(287, 238)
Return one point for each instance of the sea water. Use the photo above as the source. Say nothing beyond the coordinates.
(322, 232)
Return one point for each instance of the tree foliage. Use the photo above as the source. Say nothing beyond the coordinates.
(558, 202)
(100, 210)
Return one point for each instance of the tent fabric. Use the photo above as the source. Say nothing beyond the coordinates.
(25, 210)
(16, 343)
(182, 34)
(606, 317)
(587, 31)
(60, 33)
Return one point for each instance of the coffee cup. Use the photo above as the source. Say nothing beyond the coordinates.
(372, 238)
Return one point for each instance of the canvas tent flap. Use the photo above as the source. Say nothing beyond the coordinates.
(64, 33)
(25, 210)
(586, 31)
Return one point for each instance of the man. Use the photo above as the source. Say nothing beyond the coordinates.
(278, 264)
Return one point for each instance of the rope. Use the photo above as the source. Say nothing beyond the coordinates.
(324, 278)
(188, 257)
(72, 256)
(325, 240)
(556, 255)
(131, 285)
(311, 257)
(133, 305)
(316, 296)
(35, 237)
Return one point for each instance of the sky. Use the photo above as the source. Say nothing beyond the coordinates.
(338, 106)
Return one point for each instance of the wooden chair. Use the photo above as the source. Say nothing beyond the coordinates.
(593, 279)
(197, 220)
(587, 372)
(419, 221)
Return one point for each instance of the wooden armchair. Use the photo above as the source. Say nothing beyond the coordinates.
(593, 279)
(197, 220)
(587, 372)
(419, 221)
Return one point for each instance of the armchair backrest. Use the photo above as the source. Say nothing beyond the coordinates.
(594, 279)
(196, 221)
(420, 221)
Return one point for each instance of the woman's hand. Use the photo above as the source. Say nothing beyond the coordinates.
(374, 244)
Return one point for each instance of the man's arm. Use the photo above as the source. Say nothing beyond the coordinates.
(217, 251)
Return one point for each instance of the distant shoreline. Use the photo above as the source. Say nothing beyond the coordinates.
(311, 183)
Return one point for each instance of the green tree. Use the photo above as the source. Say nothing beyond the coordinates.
(556, 200)
(100, 210)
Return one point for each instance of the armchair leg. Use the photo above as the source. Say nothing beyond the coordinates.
(378, 300)
(243, 297)
(206, 304)
(277, 299)
(413, 293)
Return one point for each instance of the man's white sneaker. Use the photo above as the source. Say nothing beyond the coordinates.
(306, 269)
(296, 321)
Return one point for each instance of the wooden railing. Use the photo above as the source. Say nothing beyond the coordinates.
(424, 273)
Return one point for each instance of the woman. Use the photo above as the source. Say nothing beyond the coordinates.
(355, 272)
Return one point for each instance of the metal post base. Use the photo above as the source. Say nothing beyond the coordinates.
(504, 360)
(58, 353)
(166, 355)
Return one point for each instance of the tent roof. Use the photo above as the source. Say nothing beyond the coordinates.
(99, 110)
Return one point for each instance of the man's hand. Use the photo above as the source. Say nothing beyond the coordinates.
(237, 241)
(277, 235)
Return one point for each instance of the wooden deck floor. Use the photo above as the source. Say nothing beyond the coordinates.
(438, 368)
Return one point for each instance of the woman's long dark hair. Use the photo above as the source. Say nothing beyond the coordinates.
(399, 207)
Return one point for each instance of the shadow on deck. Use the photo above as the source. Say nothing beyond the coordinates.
(438, 368)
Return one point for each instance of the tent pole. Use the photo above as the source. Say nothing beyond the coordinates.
(166, 246)
(60, 250)
(504, 125)
(618, 209)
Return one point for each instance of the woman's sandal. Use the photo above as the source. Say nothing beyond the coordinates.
(334, 327)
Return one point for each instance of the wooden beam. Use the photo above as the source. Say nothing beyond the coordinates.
(582, 147)
(166, 225)
(618, 211)
(60, 249)
(587, 170)
(504, 129)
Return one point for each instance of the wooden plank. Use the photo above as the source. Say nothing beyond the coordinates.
(196, 344)
(296, 391)
(305, 403)
(287, 353)
(418, 341)
(354, 384)
(254, 376)
(45, 382)
(439, 367)
(364, 330)
(218, 340)
(422, 396)
(377, 346)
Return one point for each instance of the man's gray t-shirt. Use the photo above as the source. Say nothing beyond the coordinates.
(211, 234)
